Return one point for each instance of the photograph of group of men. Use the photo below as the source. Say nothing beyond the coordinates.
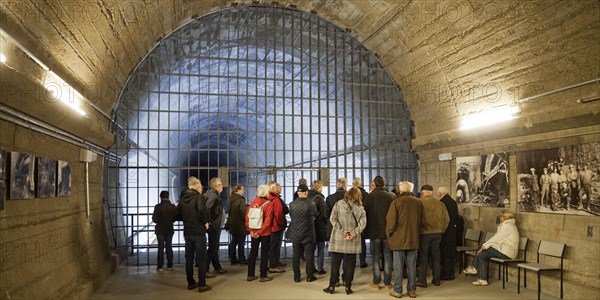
(560, 180)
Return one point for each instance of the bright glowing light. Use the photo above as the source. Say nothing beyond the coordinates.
(2, 58)
(63, 92)
(489, 117)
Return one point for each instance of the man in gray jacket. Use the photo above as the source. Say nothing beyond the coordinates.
(434, 224)
(215, 206)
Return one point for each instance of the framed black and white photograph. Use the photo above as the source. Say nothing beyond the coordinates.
(560, 180)
(2, 165)
(483, 180)
(22, 183)
(46, 177)
(2, 178)
(64, 179)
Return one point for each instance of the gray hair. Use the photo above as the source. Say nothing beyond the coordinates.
(214, 182)
(405, 187)
(262, 190)
(342, 183)
(273, 185)
(357, 181)
(193, 182)
(443, 190)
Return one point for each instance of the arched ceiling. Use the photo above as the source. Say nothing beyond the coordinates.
(450, 58)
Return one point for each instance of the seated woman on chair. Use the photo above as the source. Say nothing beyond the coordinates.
(504, 244)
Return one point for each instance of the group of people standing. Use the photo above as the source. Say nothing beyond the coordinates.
(202, 216)
(403, 230)
(558, 187)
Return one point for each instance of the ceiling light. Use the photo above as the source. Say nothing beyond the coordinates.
(64, 92)
(489, 117)
(2, 58)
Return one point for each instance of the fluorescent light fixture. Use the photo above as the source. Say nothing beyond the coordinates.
(63, 92)
(59, 89)
(489, 117)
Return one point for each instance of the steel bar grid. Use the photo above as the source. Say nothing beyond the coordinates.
(263, 92)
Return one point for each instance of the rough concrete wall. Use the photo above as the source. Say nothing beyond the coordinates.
(450, 58)
(48, 249)
(580, 233)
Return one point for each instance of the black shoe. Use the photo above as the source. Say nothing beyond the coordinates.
(349, 291)
(192, 286)
(203, 289)
(329, 290)
(322, 272)
(265, 279)
(362, 266)
(296, 279)
(436, 283)
(221, 271)
(420, 284)
(251, 278)
(447, 278)
(311, 279)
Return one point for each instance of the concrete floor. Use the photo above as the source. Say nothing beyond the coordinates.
(144, 282)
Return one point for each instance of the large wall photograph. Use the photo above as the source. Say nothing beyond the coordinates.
(560, 180)
(46, 177)
(64, 178)
(22, 181)
(2, 178)
(482, 180)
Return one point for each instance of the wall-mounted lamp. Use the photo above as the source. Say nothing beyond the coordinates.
(587, 100)
(59, 89)
(489, 117)
(63, 92)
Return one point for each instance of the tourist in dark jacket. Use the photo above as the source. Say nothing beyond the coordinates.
(448, 245)
(164, 215)
(217, 219)
(237, 225)
(302, 232)
(195, 216)
(321, 221)
(376, 206)
(362, 257)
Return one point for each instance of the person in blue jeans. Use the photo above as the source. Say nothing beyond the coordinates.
(195, 216)
(403, 227)
(164, 214)
(376, 206)
(504, 244)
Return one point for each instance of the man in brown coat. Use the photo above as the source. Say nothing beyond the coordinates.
(433, 226)
(403, 228)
